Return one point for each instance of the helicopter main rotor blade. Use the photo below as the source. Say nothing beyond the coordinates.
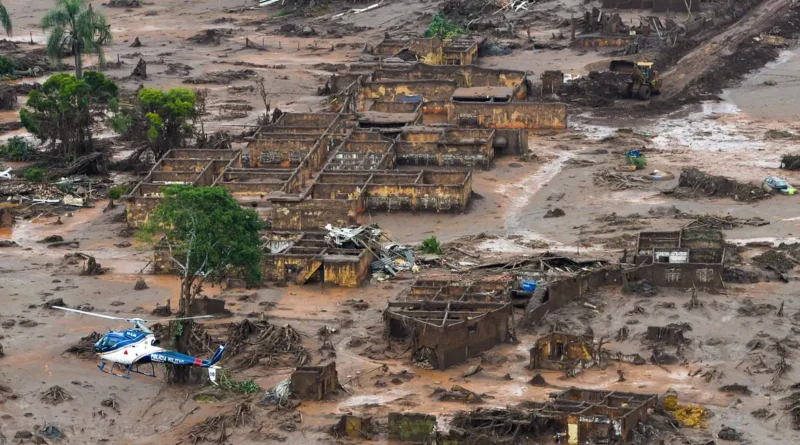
(180, 318)
(89, 313)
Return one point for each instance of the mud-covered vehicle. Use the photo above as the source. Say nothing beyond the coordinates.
(778, 185)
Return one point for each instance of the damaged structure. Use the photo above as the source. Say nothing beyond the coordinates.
(576, 416)
(429, 50)
(560, 351)
(446, 333)
(314, 382)
(685, 258)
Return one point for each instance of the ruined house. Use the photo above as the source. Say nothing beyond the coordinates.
(446, 333)
(306, 257)
(560, 351)
(314, 382)
(685, 258)
(429, 50)
(671, 334)
(579, 415)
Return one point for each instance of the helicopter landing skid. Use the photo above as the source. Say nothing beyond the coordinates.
(129, 368)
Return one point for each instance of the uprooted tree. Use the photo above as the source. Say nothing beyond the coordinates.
(62, 113)
(208, 237)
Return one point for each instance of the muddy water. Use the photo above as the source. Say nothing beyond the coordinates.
(771, 102)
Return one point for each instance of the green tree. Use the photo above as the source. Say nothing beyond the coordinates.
(76, 27)
(209, 237)
(443, 28)
(167, 115)
(5, 19)
(63, 111)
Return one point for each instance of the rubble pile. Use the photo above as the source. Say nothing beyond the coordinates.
(774, 258)
(253, 343)
(458, 394)
(391, 257)
(212, 36)
(618, 180)
(222, 77)
(596, 89)
(123, 4)
(721, 222)
(55, 395)
(693, 182)
(85, 347)
(790, 162)
(215, 428)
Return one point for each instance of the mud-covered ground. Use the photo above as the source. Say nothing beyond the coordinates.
(575, 171)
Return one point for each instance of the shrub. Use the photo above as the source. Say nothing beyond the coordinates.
(639, 162)
(16, 149)
(431, 245)
(7, 66)
(34, 174)
(117, 192)
(443, 28)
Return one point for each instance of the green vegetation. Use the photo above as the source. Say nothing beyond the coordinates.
(17, 149)
(166, 113)
(34, 174)
(209, 237)
(431, 245)
(283, 13)
(443, 28)
(5, 19)
(76, 28)
(227, 383)
(117, 192)
(64, 110)
(164, 118)
(639, 162)
(7, 66)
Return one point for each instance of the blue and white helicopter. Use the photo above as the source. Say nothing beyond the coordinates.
(134, 347)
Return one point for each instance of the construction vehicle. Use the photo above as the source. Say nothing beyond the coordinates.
(644, 79)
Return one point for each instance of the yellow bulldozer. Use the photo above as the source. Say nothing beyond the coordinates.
(644, 79)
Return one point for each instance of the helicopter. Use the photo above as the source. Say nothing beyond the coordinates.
(138, 346)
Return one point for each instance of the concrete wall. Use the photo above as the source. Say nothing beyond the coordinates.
(558, 294)
(411, 427)
(508, 115)
(347, 270)
(395, 90)
(139, 208)
(310, 214)
(314, 382)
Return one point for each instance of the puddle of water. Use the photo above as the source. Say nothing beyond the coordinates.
(365, 400)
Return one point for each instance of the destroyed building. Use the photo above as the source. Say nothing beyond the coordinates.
(429, 50)
(578, 415)
(685, 258)
(315, 382)
(559, 351)
(446, 333)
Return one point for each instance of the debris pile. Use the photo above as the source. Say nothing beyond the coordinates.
(215, 428)
(212, 36)
(693, 182)
(85, 346)
(721, 222)
(776, 259)
(618, 180)
(253, 343)
(596, 89)
(458, 394)
(790, 162)
(55, 396)
(279, 395)
(391, 257)
(222, 77)
(123, 4)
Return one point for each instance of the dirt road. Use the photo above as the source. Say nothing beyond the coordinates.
(706, 58)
